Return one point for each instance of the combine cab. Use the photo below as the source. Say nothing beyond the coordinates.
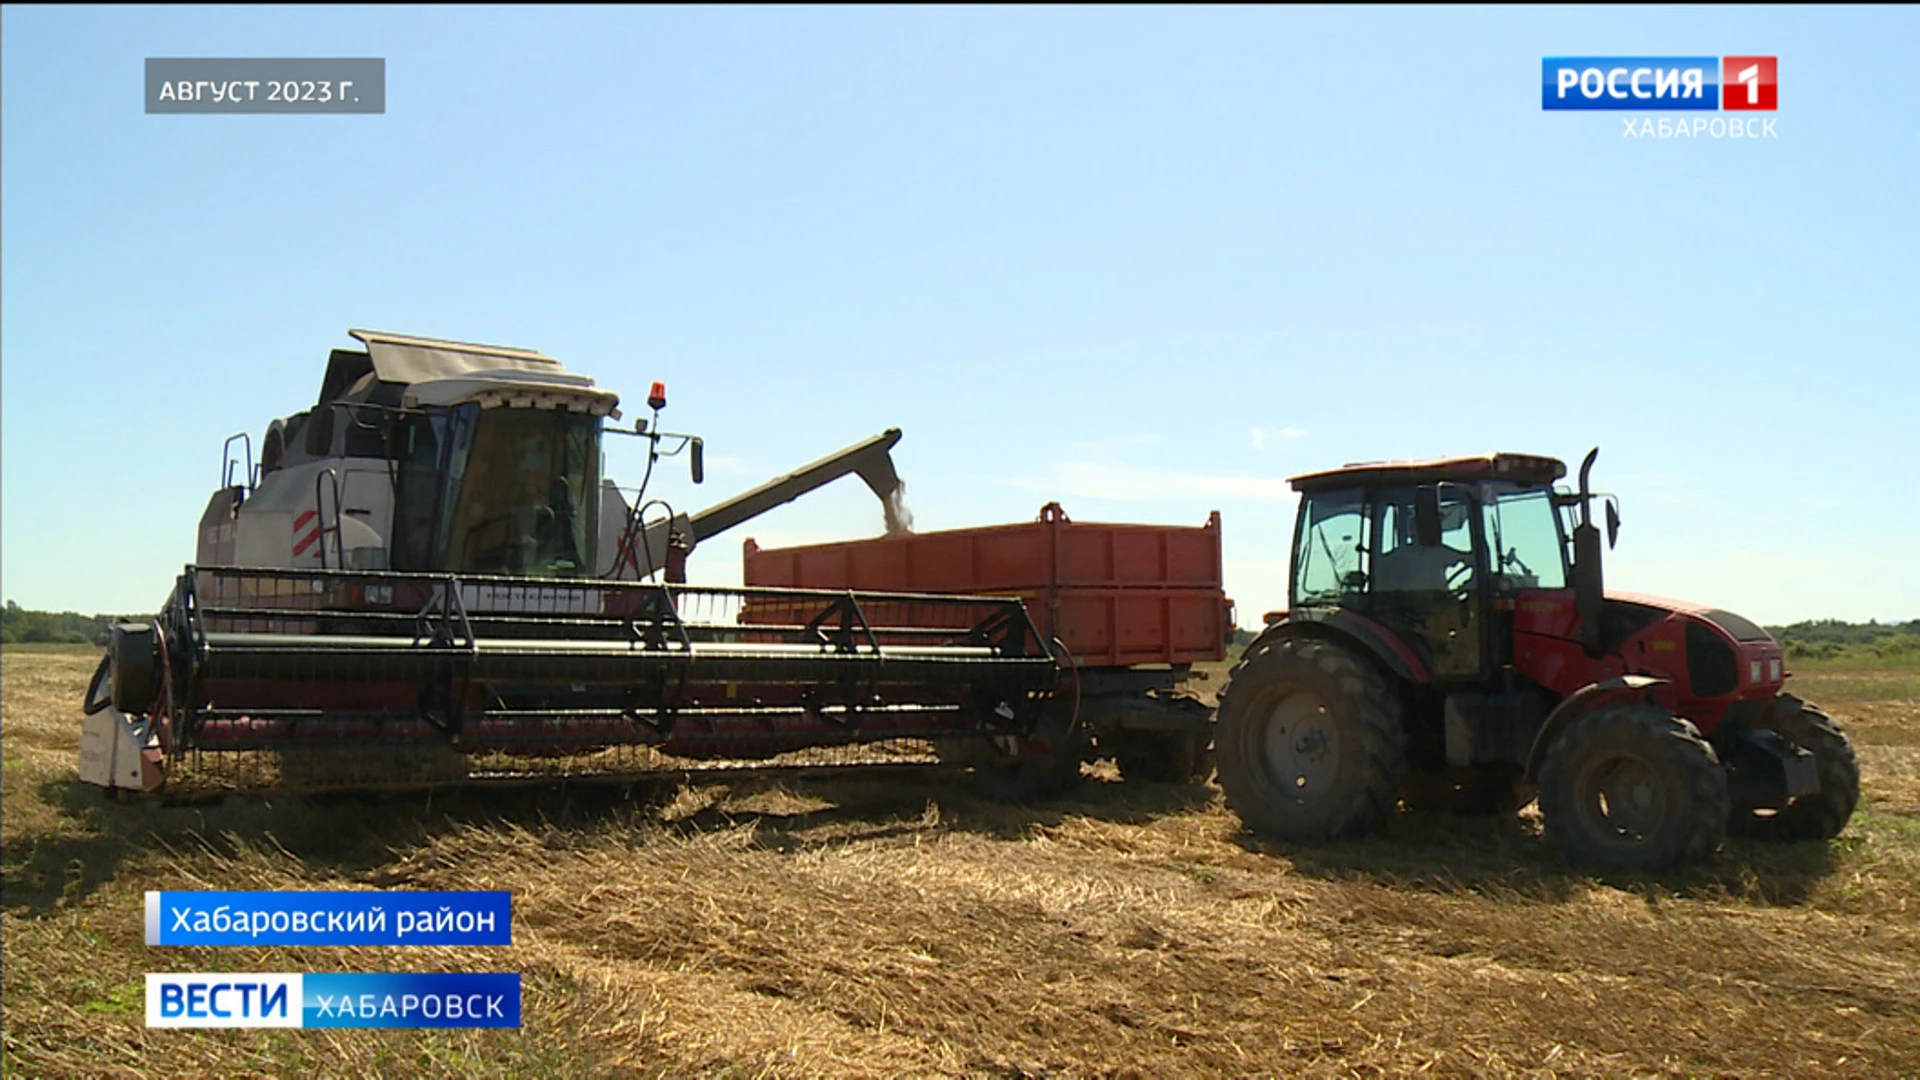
(427, 580)
(1444, 649)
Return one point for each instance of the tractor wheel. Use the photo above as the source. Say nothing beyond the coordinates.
(1822, 814)
(1309, 745)
(1631, 787)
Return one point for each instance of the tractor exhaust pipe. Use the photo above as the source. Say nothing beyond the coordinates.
(1589, 587)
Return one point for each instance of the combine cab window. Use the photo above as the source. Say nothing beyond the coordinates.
(1330, 563)
(421, 456)
(1524, 542)
(525, 495)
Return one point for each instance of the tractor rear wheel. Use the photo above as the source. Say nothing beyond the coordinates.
(1819, 815)
(1309, 744)
(1631, 787)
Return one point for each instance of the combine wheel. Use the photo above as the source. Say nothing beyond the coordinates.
(1309, 745)
(1631, 787)
(1822, 814)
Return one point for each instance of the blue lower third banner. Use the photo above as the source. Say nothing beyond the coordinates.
(350, 917)
(431, 1000)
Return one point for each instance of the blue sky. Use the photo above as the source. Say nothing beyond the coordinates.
(1147, 262)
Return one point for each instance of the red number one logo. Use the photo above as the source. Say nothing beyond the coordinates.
(1750, 83)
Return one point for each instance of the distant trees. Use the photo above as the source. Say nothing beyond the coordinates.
(1826, 639)
(18, 624)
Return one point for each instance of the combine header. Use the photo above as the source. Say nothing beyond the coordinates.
(426, 580)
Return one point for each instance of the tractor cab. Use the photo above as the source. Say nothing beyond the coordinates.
(1436, 553)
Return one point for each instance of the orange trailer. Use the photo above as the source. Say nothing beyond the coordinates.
(1133, 607)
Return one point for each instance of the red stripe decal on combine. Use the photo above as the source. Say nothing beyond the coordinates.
(302, 519)
(306, 542)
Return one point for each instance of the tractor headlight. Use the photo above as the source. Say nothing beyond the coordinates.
(1773, 669)
(1753, 671)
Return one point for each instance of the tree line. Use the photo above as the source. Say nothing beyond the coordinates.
(1826, 639)
(20, 625)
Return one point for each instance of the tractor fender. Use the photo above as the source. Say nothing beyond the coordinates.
(1580, 703)
(1358, 632)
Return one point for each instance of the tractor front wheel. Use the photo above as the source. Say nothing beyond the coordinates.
(1819, 815)
(1309, 746)
(1631, 787)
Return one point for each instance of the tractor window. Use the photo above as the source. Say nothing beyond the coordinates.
(1523, 538)
(1405, 566)
(1329, 562)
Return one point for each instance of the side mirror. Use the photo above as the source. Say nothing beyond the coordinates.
(1613, 523)
(699, 461)
(1426, 516)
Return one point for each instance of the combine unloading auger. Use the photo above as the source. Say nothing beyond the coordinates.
(428, 582)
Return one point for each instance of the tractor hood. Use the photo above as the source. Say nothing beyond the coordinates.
(1737, 627)
(1708, 654)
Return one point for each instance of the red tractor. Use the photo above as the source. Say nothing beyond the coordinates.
(1449, 643)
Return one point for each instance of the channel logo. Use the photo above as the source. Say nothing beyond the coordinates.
(346, 1000)
(1648, 83)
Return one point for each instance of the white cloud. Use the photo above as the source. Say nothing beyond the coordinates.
(1261, 437)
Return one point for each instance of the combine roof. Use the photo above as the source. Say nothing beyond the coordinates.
(395, 364)
(403, 359)
(1519, 468)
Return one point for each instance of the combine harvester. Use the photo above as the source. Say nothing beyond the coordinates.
(426, 580)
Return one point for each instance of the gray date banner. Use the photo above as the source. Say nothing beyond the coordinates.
(290, 85)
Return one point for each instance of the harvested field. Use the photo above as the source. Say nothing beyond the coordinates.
(897, 926)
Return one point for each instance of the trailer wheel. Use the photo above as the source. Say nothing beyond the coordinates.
(1822, 814)
(1309, 745)
(1164, 757)
(1031, 777)
(1631, 787)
